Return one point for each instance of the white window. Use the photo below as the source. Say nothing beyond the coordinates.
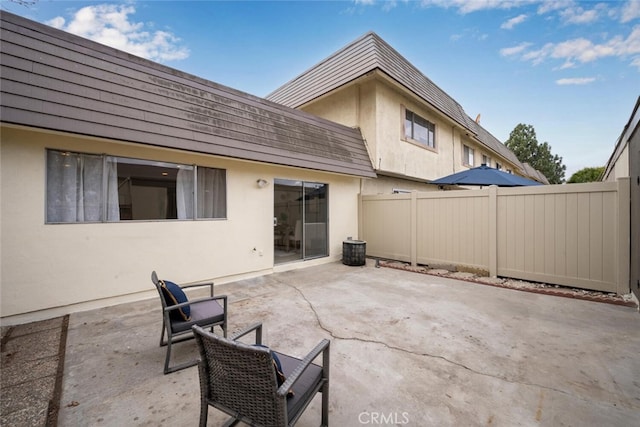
(467, 156)
(419, 129)
(498, 166)
(486, 160)
(96, 188)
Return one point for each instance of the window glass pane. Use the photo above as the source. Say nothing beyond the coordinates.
(468, 155)
(419, 129)
(315, 219)
(212, 193)
(408, 125)
(74, 187)
(149, 190)
(88, 188)
(421, 134)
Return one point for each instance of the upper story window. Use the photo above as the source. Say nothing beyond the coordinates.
(468, 156)
(419, 129)
(498, 166)
(486, 160)
(97, 188)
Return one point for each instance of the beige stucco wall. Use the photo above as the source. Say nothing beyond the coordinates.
(620, 167)
(60, 268)
(375, 105)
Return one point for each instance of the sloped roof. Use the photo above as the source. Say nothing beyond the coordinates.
(623, 140)
(535, 173)
(369, 53)
(57, 81)
(494, 144)
(363, 55)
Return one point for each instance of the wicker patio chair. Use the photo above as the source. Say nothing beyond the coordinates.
(178, 317)
(240, 380)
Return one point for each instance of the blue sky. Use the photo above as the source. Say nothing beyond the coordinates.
(571, 69)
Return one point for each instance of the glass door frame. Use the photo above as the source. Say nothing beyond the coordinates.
(300, 220)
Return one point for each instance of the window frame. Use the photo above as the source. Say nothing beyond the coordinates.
(107, 199)
(431, 128)
(467, 153)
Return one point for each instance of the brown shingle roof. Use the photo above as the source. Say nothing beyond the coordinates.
(363, 55)
(55, 80)
(369, 53)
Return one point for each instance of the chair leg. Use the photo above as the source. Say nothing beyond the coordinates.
(204, 413)
(168, 356)
(167, 369)
(162, 343)
(325, 405)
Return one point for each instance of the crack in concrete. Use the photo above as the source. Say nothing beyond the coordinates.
(420, 354)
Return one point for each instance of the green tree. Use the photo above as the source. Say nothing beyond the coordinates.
(524, 144)
(587, 175)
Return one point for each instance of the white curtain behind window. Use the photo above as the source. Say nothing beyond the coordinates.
(184, 193)
(113, 205)
(75, 188)
(212, 193)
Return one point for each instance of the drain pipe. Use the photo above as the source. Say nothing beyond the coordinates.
(453, 149)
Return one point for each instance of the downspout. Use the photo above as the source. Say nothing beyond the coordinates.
(453, 149)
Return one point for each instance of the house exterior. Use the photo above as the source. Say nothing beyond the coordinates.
(625, 162)
(113, 166)
(415, 132)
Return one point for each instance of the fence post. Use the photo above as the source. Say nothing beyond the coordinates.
(624, 235)
(414, 228)
(493, 231)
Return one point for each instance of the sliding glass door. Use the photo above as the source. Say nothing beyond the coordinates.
(300, 220)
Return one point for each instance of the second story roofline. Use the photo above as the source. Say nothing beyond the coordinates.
(370, 53)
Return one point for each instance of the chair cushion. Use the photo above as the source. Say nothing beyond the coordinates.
(304, 387)
(175, 295)
(203, 313)
(277, 366)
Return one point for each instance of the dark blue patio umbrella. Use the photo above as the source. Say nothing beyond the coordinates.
(484, 175)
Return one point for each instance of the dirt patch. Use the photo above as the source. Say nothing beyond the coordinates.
(521, 285)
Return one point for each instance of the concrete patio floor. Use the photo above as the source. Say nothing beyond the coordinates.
(406, 349)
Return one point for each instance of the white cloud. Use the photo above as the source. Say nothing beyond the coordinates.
(567, 64)
(57, 22)
(553, 5)
(110, 24)
(538, 56)
(577, 15)
(513, 22)
(580, 50)
(468, 6)
(514, 50)
(630, 11)
(575, 81)
(389, 4)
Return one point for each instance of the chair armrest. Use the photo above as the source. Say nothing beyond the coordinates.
(198, 285)
(182, 304)
(322, 347)
(257, 327)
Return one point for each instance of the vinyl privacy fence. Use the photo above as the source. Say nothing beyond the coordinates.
(572, 235)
